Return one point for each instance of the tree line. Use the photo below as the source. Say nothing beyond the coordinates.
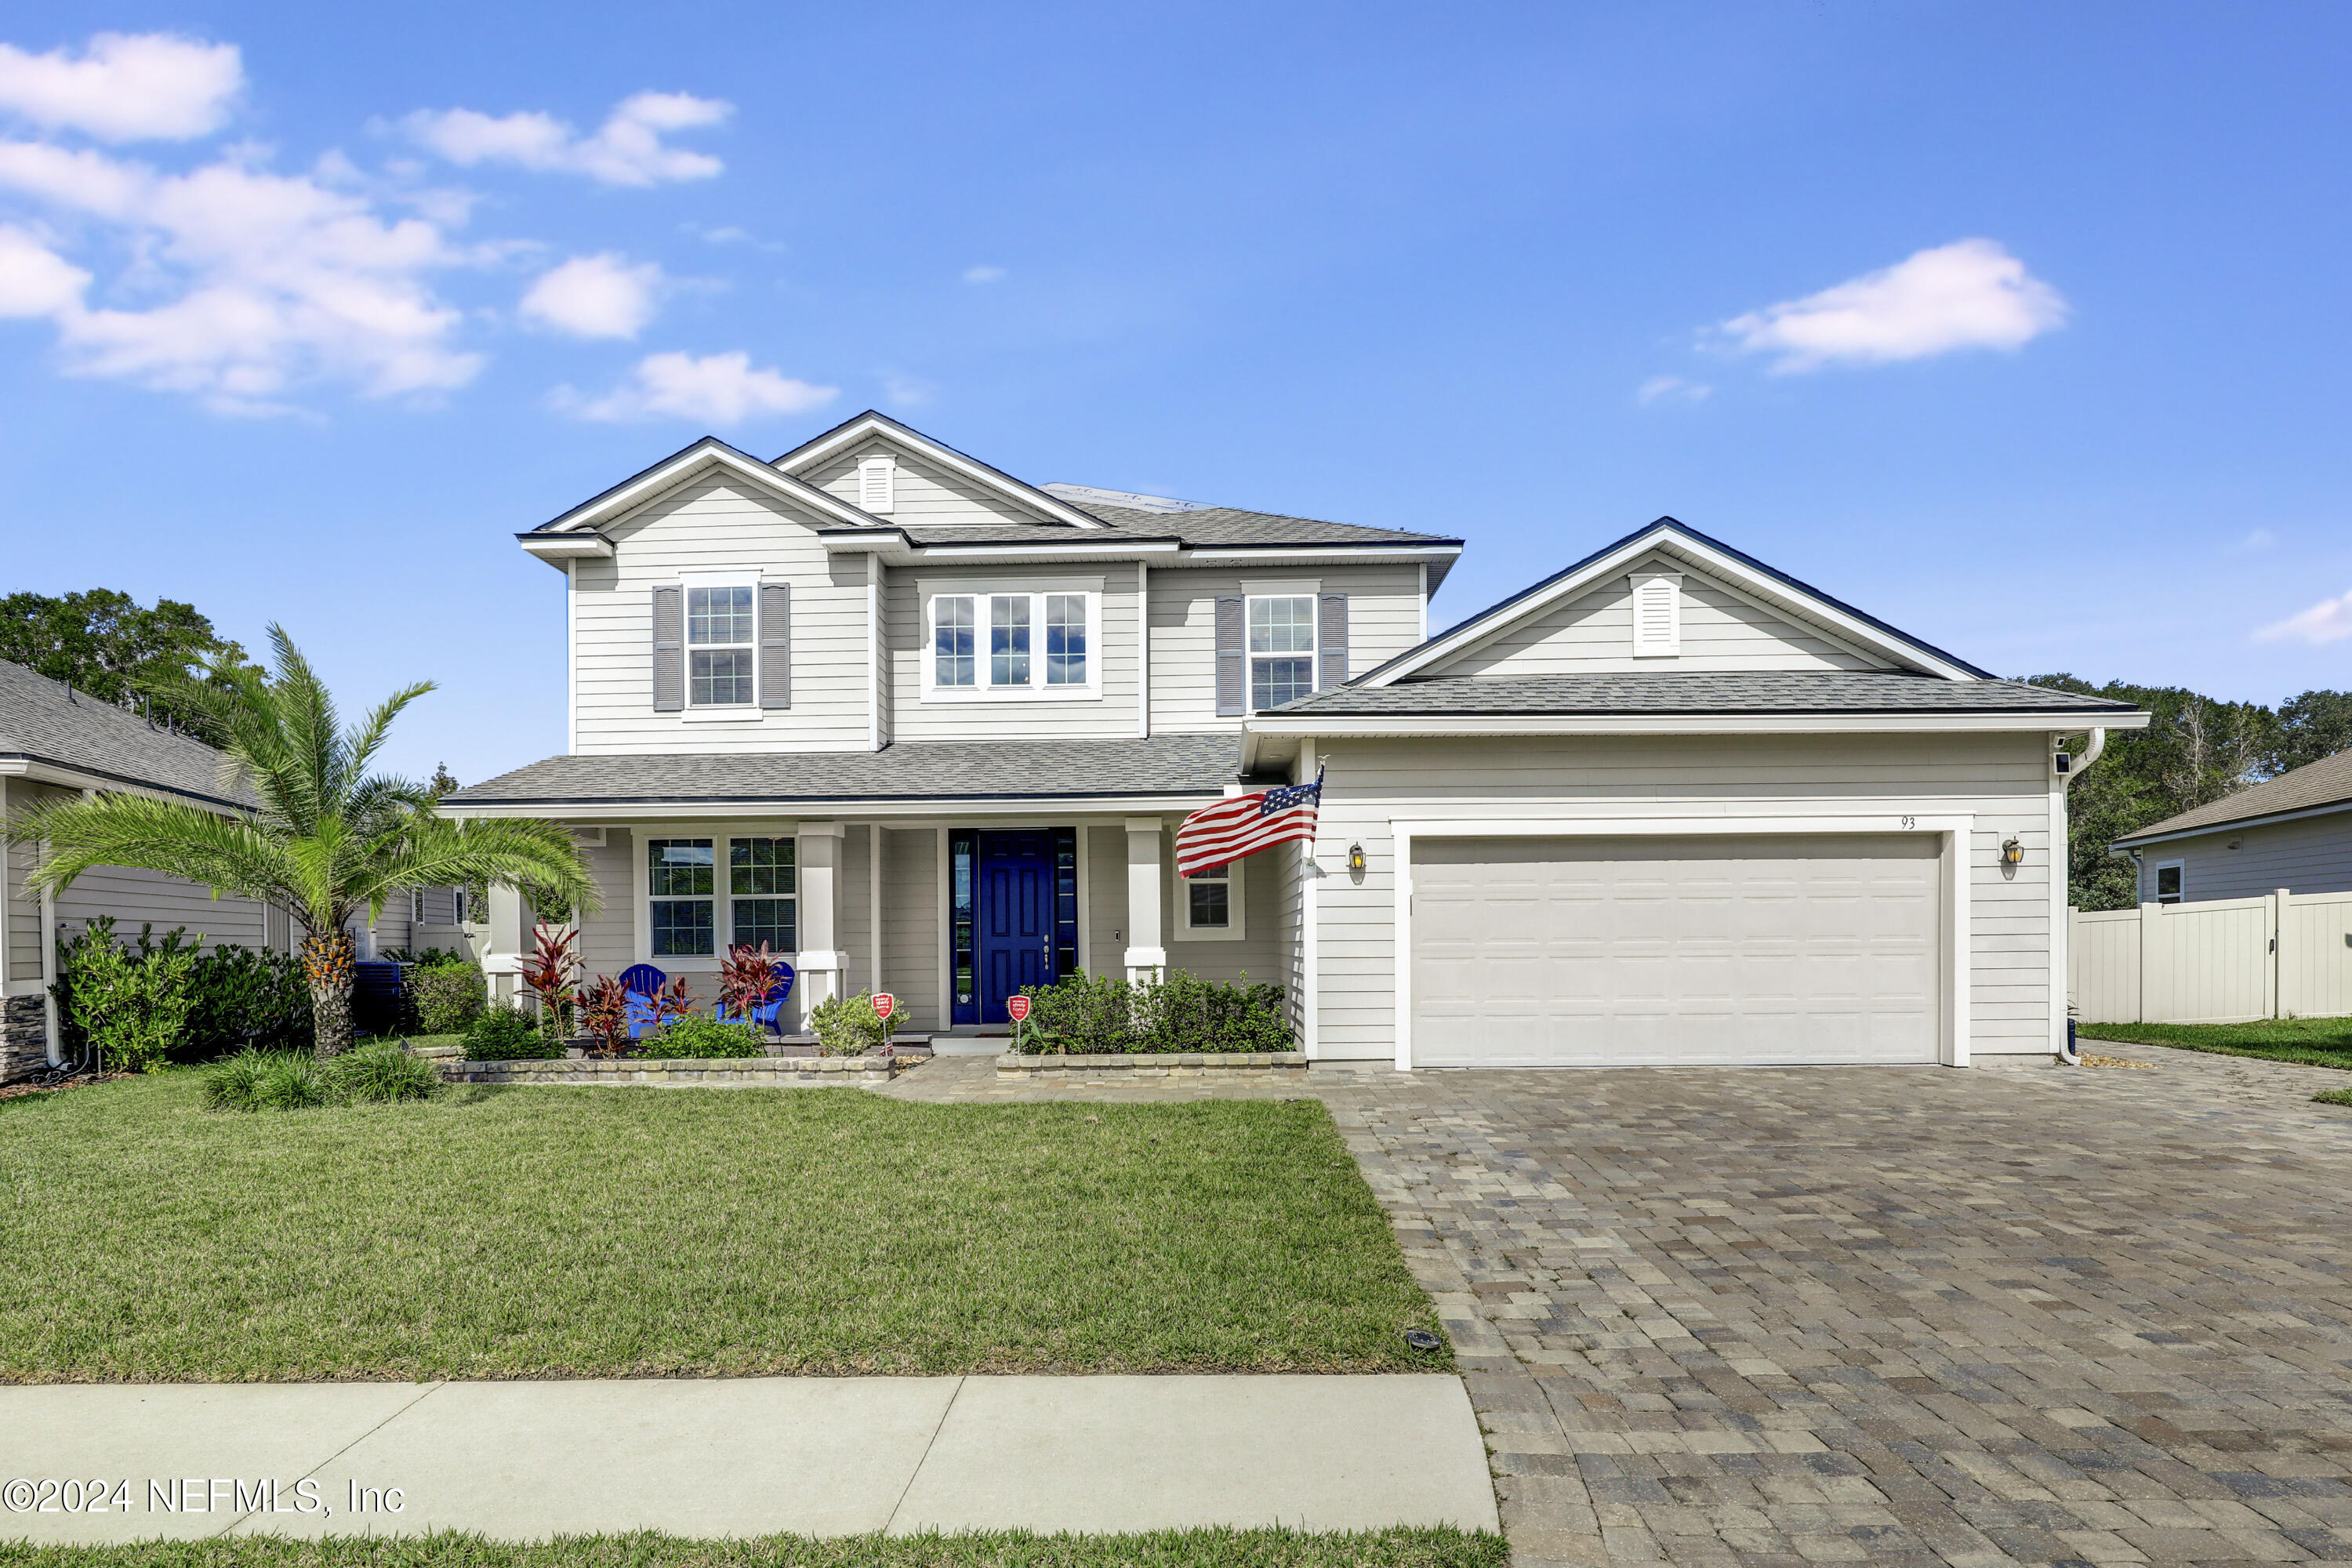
(2195, 750)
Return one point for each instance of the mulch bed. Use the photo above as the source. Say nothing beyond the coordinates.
(19, 1090)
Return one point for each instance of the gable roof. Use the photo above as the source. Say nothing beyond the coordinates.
(1777, 589)
(712, 453)
(849, 432)
(2315, 787)
(46, 723)
(1790, 692)
(1225, 526)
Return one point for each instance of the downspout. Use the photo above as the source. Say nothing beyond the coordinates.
(2068, 1053)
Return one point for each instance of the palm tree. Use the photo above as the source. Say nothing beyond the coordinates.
(325, 838)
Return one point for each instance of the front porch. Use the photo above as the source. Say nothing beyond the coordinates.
(952, 913)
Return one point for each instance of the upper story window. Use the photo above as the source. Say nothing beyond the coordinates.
(1011, 644)
(1281, 649)
(722, 657)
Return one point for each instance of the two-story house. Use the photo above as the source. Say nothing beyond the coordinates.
(929, 729)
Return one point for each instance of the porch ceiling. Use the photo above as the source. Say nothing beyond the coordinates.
(912, 774)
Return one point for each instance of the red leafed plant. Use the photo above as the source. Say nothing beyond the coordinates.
(606, 1015)
(746, 976)
(673, 1001)
(553, 973)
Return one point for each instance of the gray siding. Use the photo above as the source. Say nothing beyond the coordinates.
(926, 496)
(1260, 952)
(911, 923)
(712, 525)
(608, 938)
(1106, 932)
(1384, 616)
(2310, 855)
(1594, 632)
(2001, 779)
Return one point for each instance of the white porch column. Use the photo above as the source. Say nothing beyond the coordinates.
(819, 859)
(1146, 958)
(502, 954)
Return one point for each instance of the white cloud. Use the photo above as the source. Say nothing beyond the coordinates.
(267, 280)
(1661, 388)
(2259, 539)
(908, 391)
(2330, 620)
(983, 274)
(715, 389)
(34, 280)
(598, 296)
(1970, 294)
(126, 87)
(627, 149)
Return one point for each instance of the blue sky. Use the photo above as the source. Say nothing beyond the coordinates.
(2021, 327)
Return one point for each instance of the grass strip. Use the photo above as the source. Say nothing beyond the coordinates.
(529, 1232)
(2309, 1042)
(1440, 1547)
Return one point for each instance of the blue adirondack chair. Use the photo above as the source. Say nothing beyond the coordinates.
(769, 1014)
(642, 982)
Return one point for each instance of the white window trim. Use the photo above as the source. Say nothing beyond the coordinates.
(1315, 643)
(1236, 905)
(1037, 690)
(718, 712)
(1672, 646)
(722, 914)
(2156, 870)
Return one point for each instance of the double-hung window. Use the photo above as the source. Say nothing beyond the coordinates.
(1011, 644)
(1281, 649)
(722, 656)
(691, 904)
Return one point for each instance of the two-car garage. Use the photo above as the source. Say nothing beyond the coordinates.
(1700, 950)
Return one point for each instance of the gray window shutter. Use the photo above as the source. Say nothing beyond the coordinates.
(1331, 639)
(775, 645)
(1233, 663)
(669, 650)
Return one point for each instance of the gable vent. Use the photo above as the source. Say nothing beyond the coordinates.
(1657, 614)
(878, 484)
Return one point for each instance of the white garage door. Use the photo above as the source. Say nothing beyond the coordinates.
(1640, 952)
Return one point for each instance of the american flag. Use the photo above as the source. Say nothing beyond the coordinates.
(1219, 835)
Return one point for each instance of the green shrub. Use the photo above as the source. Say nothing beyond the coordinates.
(847, 1027)
(1087, 1014)
(244, 996)
(381, 1073)
(265, 1080)
(289, 1080)
(698, 1034)
(447, 996)
(508, 1033)
(132, 1008)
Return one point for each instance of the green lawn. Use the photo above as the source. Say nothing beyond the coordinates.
(2315, 1042)
(1439, 1548)
(636, 1232)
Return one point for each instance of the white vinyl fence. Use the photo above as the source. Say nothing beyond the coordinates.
(2282, 955)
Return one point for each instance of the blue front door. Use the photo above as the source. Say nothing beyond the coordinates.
(1013, 945)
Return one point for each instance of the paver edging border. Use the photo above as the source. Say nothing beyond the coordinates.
(680, 1070)
(1161, 1064)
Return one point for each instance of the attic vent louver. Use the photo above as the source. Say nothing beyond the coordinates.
(876, 484)
(1657, 614)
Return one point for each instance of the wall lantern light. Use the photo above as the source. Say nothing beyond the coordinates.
(2011, 852)
(1355, 857)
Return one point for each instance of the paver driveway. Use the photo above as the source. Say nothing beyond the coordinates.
(1876, 1314)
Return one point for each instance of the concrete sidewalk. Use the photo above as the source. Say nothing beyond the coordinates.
(738, 1457)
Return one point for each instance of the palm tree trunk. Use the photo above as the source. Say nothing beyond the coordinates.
(327, 964)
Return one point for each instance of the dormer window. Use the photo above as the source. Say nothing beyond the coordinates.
(1657, 614)
(878, 483)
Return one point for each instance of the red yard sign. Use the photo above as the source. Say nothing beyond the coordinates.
(884, 1004)
(1018, 1006)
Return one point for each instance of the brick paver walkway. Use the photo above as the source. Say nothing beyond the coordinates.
(1777, 1318)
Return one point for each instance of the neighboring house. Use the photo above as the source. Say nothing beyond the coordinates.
(2294, 832)
(929, 728)
(56, 743)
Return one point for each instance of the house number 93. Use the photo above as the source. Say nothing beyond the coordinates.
(1909, 821)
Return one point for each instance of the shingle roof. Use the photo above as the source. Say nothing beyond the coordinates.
(43, 721)
(1744, 691)
(1208, 527)
(2326, 781)
(923, 770)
